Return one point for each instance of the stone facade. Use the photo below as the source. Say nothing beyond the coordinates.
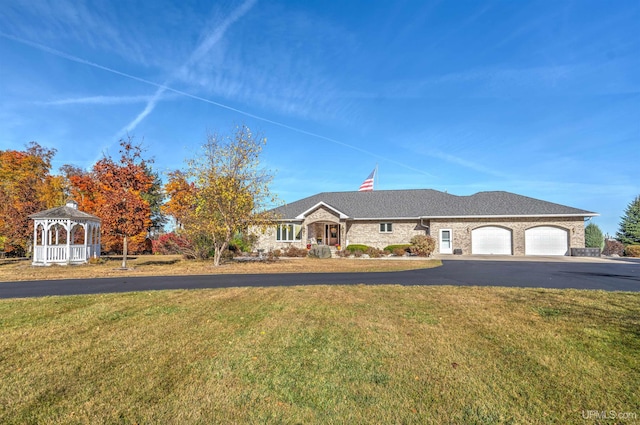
(367, 232)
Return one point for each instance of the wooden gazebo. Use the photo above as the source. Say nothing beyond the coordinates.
(65, 235)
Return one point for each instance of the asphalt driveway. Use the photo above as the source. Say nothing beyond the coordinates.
(608, 276)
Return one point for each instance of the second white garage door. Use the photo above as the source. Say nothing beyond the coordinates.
(546, 240)
(491, 240)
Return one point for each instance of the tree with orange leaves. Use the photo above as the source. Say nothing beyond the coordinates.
(83, 187)
(122, 185)
(181, 194)
(26, 187)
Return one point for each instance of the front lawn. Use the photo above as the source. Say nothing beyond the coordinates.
(357, 354)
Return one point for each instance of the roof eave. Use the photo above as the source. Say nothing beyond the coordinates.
(588, 214)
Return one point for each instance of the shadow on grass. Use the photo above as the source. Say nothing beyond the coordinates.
(158, 262)
(7, 261)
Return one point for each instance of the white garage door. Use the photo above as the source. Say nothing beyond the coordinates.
(491, 240)
(546, 240)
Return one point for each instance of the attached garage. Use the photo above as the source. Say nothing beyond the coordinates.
(546, 240)
(491, 240)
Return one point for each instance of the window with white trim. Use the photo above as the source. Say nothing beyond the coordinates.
(288, 232)
(386, 227)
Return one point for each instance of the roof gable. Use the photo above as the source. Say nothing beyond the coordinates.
(302, 215)
(64, 212)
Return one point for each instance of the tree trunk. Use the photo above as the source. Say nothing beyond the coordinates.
(217, 254)
(124, 253)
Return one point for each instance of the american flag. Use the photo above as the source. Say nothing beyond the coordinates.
(367, 185)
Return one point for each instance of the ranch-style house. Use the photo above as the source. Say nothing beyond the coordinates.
(483, 223)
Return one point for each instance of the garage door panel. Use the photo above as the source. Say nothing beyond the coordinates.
(491, 240)
(546, 240)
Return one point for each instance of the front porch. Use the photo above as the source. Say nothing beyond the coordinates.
(325, 233)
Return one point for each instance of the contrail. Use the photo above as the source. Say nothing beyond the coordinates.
(200, 51)
(211, 102)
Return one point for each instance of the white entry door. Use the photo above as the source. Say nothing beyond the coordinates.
(446, 241)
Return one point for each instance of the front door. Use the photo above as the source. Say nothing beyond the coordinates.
(446, 241)
(332, 233)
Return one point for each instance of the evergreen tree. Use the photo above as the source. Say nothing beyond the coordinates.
(629, 232)
(593, 237)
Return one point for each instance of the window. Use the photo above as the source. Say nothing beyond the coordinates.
(288, 232)
(386, 227)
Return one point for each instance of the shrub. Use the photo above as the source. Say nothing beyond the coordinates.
(357, 247)
(399, 252)
(373, 252)
(613, 247)
(343, 253)
(632, 251)
(294, 251)
(96, 260)
(242, 242)
(276, 253)
(394, 248)
(422, 245)
(170, 243)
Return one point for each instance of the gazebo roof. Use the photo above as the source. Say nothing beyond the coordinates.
(68, 211)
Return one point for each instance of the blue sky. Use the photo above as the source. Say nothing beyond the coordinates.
(539, 98)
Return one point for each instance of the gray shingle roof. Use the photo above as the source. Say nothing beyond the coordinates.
(64, 212)
(414, 203)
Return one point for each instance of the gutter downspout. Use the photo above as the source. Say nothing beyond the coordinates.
(425, 226)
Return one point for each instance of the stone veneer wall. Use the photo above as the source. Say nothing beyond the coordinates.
(461, 229)
(368, 232)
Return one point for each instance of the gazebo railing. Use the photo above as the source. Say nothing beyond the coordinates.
(58, 253)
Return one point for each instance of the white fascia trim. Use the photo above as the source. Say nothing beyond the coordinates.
(321, 204)
(509, 216)
(385, 218)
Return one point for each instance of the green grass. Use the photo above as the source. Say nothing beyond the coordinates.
(357, 354)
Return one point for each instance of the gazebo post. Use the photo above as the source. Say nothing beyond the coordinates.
(35, 240)
(69, 241)
(86, 241)
(45, 240)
